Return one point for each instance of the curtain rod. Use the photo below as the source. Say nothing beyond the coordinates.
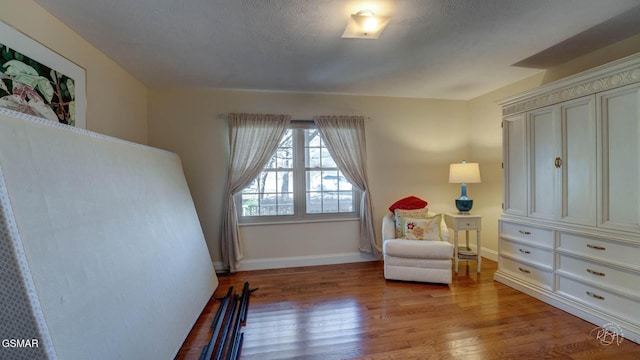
(225, 116)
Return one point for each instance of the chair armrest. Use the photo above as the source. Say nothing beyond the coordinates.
(388, 227)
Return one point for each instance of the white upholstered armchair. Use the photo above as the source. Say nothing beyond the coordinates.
(416, 260)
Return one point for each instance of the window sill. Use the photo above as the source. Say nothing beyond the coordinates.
(295, 222)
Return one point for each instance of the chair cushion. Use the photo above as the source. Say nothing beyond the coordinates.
(418, 249)
(417, 263)
(430, 275)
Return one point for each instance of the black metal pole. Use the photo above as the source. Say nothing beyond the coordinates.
(216, 324)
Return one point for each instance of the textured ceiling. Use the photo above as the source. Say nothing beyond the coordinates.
(451, 49)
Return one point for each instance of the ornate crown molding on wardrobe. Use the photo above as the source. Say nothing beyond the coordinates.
(570, 227)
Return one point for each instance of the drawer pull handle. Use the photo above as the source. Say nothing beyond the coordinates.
(596, 247)
(524, 251)
(524, 270)
(595, 272)
(595, 296)
(524, 232)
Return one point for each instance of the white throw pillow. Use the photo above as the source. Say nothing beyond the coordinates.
(427, 228)
(400, 214)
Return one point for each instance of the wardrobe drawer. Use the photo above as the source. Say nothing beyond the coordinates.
(602, 300)
(527, 233)
(542, 278)
(627, 282)
(616, 252)
(522, 251)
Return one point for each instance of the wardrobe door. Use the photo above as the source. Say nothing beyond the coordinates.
(578, 161)
(619, 112)
(515, 164)
(544, 158)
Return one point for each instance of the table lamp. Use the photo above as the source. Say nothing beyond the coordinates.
(464, 173)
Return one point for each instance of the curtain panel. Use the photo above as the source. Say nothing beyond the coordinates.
(345, 139)
(253, 138)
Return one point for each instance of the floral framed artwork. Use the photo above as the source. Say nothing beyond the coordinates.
(40, 82)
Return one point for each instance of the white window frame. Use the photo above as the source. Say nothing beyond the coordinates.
(300, 189)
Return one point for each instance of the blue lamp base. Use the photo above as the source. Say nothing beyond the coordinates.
(464, 203)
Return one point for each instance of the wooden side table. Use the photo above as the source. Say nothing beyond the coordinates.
(465, 222)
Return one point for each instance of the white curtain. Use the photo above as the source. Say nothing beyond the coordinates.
(345, 140)
(253, 138)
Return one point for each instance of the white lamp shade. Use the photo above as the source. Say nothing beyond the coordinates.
(464, 173)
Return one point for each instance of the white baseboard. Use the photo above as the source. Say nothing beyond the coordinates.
(490, 254)
(297, 261)
(486, 253)
(312, 260)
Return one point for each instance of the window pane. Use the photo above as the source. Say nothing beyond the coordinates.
(313, 158)
(267, 204)
(287, 139)
(314, 180)
(328, 191)
(330, 180)
(312, 137)
(249, 204)
(284, 158)
(285, 204)
(343, 183)
(285, 181)
(330, 202)
(314, 202)
(273, 193)
(327, 160)
(268, 182)
(346, 202)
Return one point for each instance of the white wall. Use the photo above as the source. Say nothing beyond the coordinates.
(410, 145)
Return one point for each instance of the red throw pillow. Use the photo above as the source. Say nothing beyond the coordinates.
(408, 203)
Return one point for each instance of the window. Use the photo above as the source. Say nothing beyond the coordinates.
(300, 182)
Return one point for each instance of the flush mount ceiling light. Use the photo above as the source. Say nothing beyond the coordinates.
(365, 25)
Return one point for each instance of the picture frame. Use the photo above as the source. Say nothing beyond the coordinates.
(38, 81)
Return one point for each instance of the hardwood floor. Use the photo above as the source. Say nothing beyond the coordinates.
(350, 311)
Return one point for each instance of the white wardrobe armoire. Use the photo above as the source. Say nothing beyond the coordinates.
(570, 228)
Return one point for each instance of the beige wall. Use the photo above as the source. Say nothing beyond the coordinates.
(410, 145)
(486, 146)
(607, 54)
(116, 101)
(410, 141)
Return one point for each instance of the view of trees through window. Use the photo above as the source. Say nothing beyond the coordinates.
(271, 193)
(327, 190)
(300, 177)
